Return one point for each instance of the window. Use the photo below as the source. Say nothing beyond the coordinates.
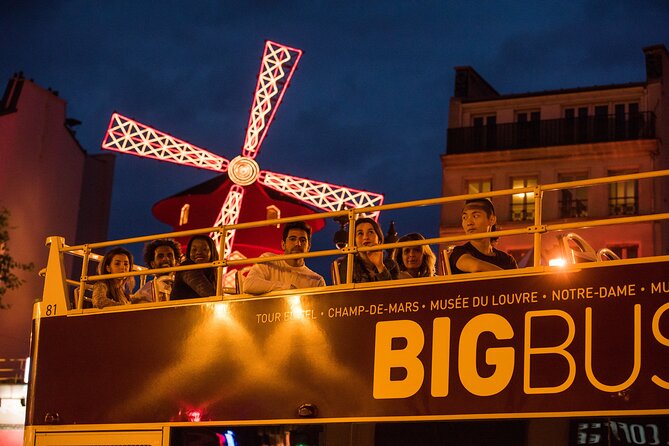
(627, 122)
(623, 195)
(600, 124)
(528, 116)
(528, 128)
(480, 121)
(576, 130)
(273, 213)
(522, 204)
(478, 186)
(484, 134)
(573, 202)
(183, 217)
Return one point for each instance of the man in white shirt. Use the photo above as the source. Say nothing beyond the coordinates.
(285, 274)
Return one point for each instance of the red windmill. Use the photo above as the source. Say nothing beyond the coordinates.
(241, 175)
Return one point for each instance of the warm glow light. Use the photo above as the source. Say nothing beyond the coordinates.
(295, 303)
(26, 371)
(243, 171)
(194, 415)
(557, 262)
(183, 216)
(221, 310)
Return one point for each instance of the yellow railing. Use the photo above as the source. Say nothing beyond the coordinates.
(536, 229)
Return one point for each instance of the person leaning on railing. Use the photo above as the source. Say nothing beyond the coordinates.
(285, 274)
(161, 253)
(195, 283)
(414, 261)
(478, 216)
(369, 266)
(109, 292)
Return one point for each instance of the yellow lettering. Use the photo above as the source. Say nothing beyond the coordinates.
(441, 340)
(637, 353)
(385, 359)
(661, 339)
(557, 350)
(500, 357)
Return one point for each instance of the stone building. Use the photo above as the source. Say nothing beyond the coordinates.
(50, 186)
(504, 141)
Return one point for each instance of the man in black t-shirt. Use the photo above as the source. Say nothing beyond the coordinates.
(478, 216)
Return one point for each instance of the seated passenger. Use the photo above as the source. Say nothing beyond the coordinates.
(414, 261)
(478, 216)
(285, 274)
(163, 253)
(196, 283)
(109, 292)
(368, 266)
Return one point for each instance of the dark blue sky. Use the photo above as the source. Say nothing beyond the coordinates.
(368, 105)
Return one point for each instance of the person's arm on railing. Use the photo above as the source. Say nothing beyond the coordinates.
(100, 299)
(197, 280)
(256, 281)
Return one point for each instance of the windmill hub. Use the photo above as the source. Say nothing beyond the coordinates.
(243, 170)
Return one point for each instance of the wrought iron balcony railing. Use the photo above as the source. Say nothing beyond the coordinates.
(551, 132)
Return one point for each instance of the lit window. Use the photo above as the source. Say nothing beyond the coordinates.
(273, 213)
(623, 195)
(478, 186)
(522, 204)
(573, 202)
(183, 218)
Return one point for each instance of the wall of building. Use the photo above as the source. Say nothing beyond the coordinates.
(42, 181)
(550, 164)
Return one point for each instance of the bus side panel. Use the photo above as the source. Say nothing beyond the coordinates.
(593, 341)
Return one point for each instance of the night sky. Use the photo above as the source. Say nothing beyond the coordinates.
(367, 107)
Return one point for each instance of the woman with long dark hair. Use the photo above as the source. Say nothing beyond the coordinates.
(196, 282)
(109, 292)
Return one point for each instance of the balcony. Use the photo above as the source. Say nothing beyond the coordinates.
(551, 132)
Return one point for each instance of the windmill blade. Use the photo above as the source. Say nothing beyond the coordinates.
(229, 215)
(325, 196)
(129, 136)
(276, 69)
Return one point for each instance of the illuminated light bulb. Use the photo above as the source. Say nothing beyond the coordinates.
(296, 307)
(557, 262)
(243, 171)
(221, 310)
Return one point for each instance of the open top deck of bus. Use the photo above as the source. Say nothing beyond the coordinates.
(587, 339)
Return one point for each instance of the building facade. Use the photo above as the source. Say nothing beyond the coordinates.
(50, 186)
(498, 141)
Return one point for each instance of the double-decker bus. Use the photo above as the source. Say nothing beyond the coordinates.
(545, 354)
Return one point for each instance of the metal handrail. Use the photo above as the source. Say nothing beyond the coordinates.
(536, 230)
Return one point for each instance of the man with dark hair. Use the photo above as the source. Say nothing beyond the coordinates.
(285, 274)
(162, 253)
(478, 216)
